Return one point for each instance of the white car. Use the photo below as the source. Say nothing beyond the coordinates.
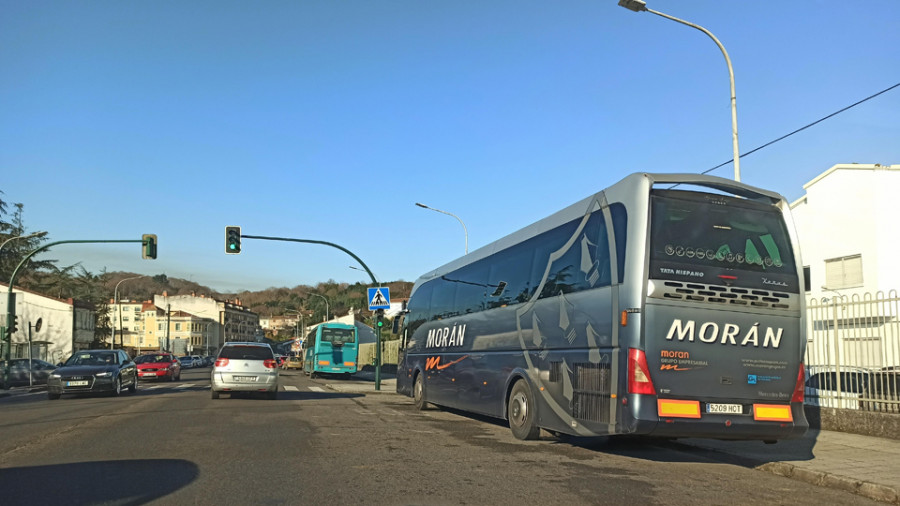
(245, 367)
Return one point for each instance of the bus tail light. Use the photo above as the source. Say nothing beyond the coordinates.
(350, 364)
(270, 363)
(798, 388)
(221, 362)
(639, 381)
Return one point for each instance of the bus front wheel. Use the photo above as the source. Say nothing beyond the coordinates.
(419, 393)
(521, 412)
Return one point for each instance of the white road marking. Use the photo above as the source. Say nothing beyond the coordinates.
(290, 388)
(317, 389)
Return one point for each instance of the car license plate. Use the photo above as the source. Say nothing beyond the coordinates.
(244, 379)
(728, 409)
(148, 373)
(81, 383)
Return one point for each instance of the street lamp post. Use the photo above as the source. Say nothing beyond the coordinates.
(207, 337)
(641, 5)
(29, 236)
(112, 341)
(326, 303)
(465, 230)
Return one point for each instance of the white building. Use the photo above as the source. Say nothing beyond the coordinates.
(228, 320)
(847, 226)
(66, 325)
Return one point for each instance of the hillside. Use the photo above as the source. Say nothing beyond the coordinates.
(270, 302)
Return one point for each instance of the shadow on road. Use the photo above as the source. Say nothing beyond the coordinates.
(743, 453)
(291, 396)
(124, 482)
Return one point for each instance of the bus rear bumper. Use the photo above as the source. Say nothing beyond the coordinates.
(720, 426)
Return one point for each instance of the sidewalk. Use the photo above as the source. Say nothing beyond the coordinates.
(862, 465)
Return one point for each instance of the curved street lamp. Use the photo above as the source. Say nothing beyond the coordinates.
(112, 341)
(323, 298)
(641, 5)
(465, 230)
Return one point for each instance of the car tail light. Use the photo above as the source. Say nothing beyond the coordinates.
(639, 381)
(798, 388)
(270, 363)
(221, 362)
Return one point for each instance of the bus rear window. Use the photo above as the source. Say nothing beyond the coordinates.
(703, 233)
(337, 336)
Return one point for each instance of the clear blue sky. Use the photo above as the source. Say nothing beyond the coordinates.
(328, 120)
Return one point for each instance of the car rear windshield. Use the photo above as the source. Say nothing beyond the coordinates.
(152, 359)
(247, 353)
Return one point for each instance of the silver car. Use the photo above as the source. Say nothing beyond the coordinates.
(245, 367)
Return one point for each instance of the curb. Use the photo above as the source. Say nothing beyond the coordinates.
(22, 391)
(874, 491)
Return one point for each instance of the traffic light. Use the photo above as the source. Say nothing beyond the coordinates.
(15, 325)
(232, 240)
(379, 318)
(149, 246)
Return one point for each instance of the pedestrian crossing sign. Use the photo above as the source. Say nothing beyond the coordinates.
(379, 298)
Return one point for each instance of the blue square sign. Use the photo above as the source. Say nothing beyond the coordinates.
(379, 298)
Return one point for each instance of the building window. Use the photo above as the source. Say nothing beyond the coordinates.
(844, 272)
(177, 326)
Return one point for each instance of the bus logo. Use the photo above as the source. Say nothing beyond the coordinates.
(709, 332)
(435, 363)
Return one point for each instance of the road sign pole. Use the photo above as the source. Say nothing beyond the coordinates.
(377, 357)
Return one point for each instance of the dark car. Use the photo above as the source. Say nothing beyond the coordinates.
(18, 372)
(161, 366)
(92, 371)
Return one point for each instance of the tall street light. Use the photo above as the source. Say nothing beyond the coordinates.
(323, 298)
(119, 310)
(465, 230)
(29, 236)
(640, 5)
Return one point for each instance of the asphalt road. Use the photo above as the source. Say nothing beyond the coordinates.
(170, 443)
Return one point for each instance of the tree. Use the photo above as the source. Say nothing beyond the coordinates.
(12, 225)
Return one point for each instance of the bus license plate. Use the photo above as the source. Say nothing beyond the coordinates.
(244, 379)
(728, 409)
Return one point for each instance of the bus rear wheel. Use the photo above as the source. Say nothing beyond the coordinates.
(522, 413)
(419, 393)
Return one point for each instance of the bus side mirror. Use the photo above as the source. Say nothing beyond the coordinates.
(397, 323)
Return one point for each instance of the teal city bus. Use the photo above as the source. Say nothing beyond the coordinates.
(332, 348)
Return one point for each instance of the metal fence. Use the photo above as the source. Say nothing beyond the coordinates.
(853, 352)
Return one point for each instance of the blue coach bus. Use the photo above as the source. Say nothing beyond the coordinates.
(331, 348)
(667, 305)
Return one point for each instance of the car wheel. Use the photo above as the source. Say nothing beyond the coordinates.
(117, 387)
(52, 396)
(133, 387)
(419, 393)
(214, 394)
(522, 413)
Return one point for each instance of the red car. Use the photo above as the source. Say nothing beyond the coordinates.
(158, 366)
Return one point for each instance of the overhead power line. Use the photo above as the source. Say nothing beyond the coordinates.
(754, 150)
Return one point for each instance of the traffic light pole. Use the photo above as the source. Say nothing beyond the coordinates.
(366, 267)
(10, 300)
